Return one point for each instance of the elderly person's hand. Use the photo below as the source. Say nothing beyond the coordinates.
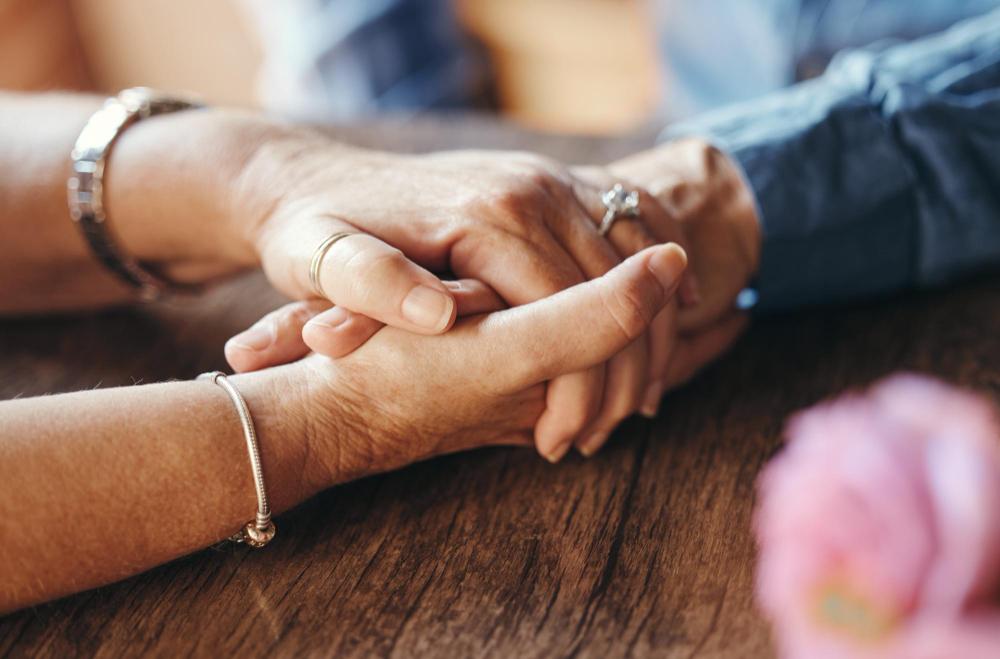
(519, 223)
(403, 397)
(700, 189)
(694, 194)
(194, 195)
(703, 191)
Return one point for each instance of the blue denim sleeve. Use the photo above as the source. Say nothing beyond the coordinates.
(881, 175)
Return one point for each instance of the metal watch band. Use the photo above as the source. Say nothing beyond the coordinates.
(85, 184)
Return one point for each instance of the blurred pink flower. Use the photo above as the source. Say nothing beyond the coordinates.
(879, 527)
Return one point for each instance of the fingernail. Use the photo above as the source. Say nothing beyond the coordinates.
(427, 308)
(589, 446)
(331, 318)
(256, 338)
(668, 265)
(557, 454)
(651, 401)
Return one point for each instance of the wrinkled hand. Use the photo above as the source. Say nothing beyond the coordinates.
(517, 222)
(700, 190)
(403, 397)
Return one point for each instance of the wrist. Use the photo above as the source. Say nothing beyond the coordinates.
(738, 196)
(312, 419)
(278, 180)
(168, 191)
(347, 433)
(278, 403)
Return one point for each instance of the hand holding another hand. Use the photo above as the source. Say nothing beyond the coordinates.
(703, 193)
(519, 228)
(518, 223)
(403, 397)
(700, 193)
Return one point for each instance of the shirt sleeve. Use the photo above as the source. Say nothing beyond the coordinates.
(881, 175)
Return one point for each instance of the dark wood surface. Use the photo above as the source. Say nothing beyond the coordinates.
(644, 550)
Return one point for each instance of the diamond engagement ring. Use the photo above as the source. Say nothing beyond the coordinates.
(619, 202)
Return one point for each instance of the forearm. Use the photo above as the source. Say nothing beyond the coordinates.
(42, 258)
(173, 194)
(99, 485)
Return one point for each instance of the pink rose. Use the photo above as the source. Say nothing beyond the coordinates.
(879, 527)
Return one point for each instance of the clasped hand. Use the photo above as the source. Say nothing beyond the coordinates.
(509, 229)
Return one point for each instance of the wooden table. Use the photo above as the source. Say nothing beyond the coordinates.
(644, 550)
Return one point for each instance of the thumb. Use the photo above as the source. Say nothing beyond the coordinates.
(360, 273)
(589, 323)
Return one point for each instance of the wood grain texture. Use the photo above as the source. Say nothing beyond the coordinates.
(644, 550)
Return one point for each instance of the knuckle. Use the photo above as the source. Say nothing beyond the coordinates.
(636, 238)
(536, 161)
(298, 314)
(509, 210)
(684, 198)
(517, 217)
(628, 309)
(373, 263)
(556, 190)
(540, 177)
(523, 202)
(537, 175)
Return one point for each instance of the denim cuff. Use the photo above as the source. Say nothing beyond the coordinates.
(834, 195)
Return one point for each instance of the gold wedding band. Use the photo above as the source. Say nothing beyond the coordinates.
(317, 260)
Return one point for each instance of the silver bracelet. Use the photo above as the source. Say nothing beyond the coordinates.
(85, 186)
(260, 530)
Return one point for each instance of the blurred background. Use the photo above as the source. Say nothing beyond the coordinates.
(577, 66)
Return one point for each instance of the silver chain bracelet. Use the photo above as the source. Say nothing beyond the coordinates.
(260, 530)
